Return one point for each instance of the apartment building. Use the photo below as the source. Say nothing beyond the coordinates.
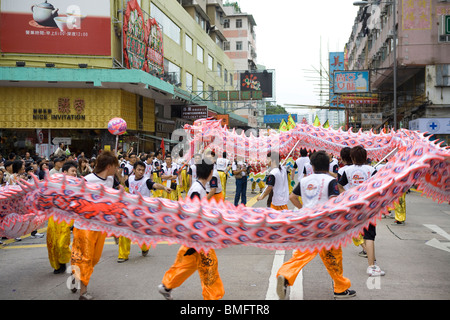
(422, 55)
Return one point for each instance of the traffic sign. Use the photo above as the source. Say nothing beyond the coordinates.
(66, 140)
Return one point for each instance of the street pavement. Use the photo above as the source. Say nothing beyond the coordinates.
(415, 257)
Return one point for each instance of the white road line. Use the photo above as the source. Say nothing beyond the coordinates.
(438, 230)
(278, 260)
(295, 292)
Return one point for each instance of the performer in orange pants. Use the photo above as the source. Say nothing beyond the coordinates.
(332, 259)
(87, 248)
(324, 186)
(189, 260)
(186, 264)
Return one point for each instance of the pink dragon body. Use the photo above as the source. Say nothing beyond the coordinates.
(210, 225)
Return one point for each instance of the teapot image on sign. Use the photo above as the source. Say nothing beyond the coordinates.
(44, 13)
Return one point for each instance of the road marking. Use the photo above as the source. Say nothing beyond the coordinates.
(278, 260)
(438, 230)
(445, 246)
(44, 245)
(296, 292)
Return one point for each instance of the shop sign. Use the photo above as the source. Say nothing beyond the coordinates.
(64, 110)
(194, 112)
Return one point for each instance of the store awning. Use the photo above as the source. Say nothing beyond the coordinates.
(132, 80)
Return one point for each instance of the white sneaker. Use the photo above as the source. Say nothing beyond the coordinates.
(167, 293)
(375, 271)
(37, 235)
(281, 287)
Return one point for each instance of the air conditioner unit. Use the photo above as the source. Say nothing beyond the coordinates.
(390, 34)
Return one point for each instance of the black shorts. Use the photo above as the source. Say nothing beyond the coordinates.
(370, 233)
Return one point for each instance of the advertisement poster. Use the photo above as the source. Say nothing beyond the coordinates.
(56, 27)
(134, 45)
(155, 53)
(143, 41)
(257, 81)
(351, 81)
(336, 63)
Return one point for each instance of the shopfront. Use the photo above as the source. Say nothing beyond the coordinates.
(35, 119)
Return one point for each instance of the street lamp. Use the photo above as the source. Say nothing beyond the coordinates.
(394, 32)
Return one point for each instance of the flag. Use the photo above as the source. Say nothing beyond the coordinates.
(163, 149)
(283, 126)
(316, 122)
(291, 123)
(326, 124)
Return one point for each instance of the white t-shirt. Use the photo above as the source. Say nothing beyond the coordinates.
(197, 189)
(301, 162)
(93, 178)
(222, 164)
(355, 175)
(315, 189)
(214, 183)
(278, 180)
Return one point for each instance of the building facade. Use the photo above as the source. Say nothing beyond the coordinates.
(64, 73)
(422, 55)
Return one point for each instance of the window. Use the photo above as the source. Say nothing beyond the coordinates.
(188, 43)
(173, 71)
(219, 70)
(189, 80)
(199, 85)
(225, 73)
(226, 46)
(238, 23)
(210, 62)
(238, 45)
(226, 23)
(200, 54)
(231, 79)
(169, 27)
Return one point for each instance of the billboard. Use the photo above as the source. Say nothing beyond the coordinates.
(277, 118)
(336, 62)
(351, 81)
(257, 81)
(431, 125)
(56, 27)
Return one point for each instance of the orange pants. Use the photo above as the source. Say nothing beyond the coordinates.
(87, 248)
(283, 207)
(332, 259)
(218, 197)
(185, 266)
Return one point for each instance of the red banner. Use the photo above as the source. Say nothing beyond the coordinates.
(155, 50)
(134, 44)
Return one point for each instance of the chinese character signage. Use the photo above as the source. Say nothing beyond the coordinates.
(351, 81)
(56, 27)
(134, 47)
(257, 81)
(336, 62)
(416, 14)
(194, 112)
(142, 41)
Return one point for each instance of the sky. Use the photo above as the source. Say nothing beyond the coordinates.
(289, 35)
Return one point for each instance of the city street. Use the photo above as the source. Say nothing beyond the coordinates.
(416, 258)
